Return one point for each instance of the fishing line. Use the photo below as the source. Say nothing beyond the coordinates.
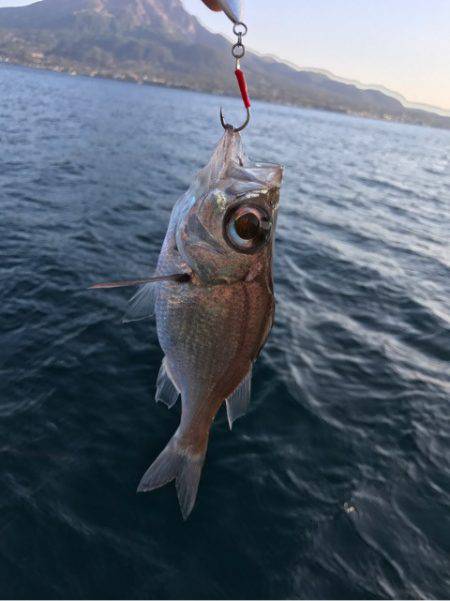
(238, 52)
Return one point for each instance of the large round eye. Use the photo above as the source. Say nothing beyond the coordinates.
(247, 228)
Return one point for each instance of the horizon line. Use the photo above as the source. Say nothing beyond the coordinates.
(410, 104)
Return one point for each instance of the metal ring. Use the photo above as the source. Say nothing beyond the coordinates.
(238, 31)
(238, 50)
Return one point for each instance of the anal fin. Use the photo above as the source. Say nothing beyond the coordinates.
(238, 402)
(166, 391)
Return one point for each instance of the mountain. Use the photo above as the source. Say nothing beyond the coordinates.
(157, 41)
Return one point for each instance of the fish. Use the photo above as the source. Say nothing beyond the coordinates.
(213, 298)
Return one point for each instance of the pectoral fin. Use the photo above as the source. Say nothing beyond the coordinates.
(166, 391)
(238, 402)
(142, 303)
(175, 277)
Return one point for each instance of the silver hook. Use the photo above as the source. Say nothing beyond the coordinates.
(235, 129)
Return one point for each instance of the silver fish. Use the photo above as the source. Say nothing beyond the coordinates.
(214, 304)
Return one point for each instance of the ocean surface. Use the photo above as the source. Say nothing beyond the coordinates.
(350, 404)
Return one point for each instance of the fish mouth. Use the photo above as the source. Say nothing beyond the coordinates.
(257, 174)
(259, 183)
(272, 173)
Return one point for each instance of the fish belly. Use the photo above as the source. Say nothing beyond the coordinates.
(210, 336)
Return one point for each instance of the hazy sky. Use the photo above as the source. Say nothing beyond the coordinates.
(401, 44)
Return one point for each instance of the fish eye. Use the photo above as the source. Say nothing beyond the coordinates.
(247, 228)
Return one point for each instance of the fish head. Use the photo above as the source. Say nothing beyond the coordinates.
(226, 227)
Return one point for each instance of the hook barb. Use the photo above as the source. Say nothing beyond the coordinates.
(235, 129)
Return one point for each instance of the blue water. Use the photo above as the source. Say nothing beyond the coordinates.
(351, 394)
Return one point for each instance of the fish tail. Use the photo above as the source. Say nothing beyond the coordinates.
(180, 463)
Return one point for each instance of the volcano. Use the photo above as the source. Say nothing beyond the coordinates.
(157, 41)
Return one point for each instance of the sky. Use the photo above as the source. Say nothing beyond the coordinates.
(403, 45)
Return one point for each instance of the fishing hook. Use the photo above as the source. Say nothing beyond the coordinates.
(235, 129)
(238, 52)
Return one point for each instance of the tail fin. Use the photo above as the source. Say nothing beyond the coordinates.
(176, 463)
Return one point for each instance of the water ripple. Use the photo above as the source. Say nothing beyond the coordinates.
(350, 396)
